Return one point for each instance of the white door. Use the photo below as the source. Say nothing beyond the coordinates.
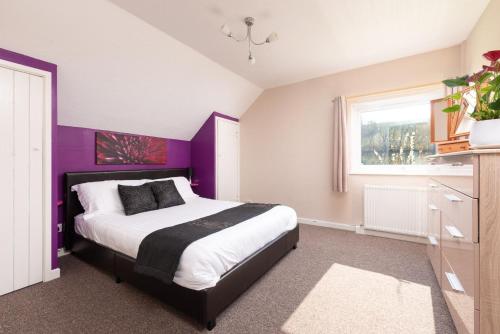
(227, 159)
(21, 140)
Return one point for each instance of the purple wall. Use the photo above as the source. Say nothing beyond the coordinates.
(52, 68)
(73, 149)
(76, 153)
(203, 156)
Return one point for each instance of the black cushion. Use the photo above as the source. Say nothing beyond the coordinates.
(166, 194)
(137, 199)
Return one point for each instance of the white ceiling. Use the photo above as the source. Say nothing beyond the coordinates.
(117, 72)
(316, 37)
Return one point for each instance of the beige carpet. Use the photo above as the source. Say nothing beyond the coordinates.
(335, 282)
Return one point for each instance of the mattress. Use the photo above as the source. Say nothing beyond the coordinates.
(204, 261)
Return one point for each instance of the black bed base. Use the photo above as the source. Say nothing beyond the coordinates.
(204, 305)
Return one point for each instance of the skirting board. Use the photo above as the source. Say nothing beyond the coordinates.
(359, 229)
(324, 223)
(51, 275)
(62, 252)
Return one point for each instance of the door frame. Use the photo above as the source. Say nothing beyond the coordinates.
(217, 120)
(48, 273)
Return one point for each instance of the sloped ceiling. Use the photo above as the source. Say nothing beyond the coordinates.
(117, 72)
(316, 37)
(160, 67)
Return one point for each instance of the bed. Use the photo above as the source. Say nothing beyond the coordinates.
(206, 282)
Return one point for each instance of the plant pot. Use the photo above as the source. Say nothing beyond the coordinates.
(485, 133)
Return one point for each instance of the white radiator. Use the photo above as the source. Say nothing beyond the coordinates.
(396, 209)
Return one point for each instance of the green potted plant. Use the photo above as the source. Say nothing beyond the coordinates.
(483, 88)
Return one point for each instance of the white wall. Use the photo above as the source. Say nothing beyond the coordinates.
(484, 37)
(117, 72)
(286, 136)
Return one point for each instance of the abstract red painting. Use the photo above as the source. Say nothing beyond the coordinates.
(124, 149)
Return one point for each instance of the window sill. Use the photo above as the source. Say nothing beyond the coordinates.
(451, 171)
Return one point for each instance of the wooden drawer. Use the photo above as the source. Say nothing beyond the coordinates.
(477, 321)
(434, 230)
(453, 146)
(461, 213)
(434, 253)
(462, 257)
(433, 193)
(460, 303)
(468, 184)
(476, 210)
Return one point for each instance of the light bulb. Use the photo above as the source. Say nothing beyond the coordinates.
(225, 30)
(251, 59)
(272, 37)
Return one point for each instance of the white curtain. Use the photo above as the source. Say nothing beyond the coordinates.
(340, 173)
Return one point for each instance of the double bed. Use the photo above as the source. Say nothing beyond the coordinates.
(213, 271)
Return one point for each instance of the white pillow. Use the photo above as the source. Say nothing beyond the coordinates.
(102, 196)
(183, 187)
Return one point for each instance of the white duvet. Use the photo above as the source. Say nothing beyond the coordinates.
(205, 260)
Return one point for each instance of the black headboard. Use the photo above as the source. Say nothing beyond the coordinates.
(72, 206)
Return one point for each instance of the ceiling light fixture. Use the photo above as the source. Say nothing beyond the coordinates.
(249, 21)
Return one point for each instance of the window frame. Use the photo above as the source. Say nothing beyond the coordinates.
(354, 108)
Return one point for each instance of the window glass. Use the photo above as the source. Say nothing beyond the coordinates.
(396, 135)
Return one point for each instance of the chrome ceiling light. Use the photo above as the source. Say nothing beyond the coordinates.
(249, 21)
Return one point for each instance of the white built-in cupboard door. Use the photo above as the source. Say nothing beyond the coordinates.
(21, 233)
(35, 195)
(7, 180)
(21, 178)
(228, 159)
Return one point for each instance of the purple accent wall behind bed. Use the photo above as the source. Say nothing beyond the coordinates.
(203, 156)
(76, 153)
(52, 68)
(73, 149)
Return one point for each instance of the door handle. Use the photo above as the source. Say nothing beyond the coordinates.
(432, 240)
(432, 207)
(454, 282)
(453, 198)
(454, 232)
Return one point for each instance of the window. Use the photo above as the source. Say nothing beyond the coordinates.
(390, 133)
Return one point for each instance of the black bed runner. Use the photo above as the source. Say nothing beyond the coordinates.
(160, 252)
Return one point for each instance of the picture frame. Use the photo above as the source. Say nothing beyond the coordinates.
(447, 127)
(440, 122)
(126, 149)
(464, 121)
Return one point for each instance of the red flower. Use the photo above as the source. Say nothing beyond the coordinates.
(492, 55)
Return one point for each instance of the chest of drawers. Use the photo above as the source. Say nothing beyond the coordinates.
(464, 240)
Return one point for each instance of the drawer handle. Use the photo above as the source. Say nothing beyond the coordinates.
(433, 185)
(454, 282)
(432, 240)
(454, 232)
(453, 198)
(432, 207)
